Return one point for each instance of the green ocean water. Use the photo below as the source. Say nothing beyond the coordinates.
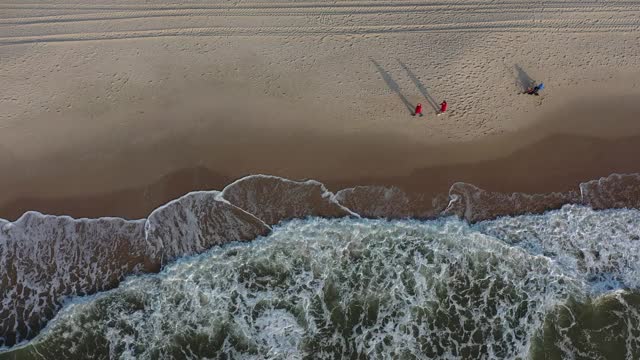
(554, 286)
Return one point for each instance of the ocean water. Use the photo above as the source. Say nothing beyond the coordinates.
(561, 285)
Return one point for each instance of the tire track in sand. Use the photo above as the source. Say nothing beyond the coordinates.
(580, 26)
(324, 11)
(620, 19)
(345, 4)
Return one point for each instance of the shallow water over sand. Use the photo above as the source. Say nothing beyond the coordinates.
(541, 286)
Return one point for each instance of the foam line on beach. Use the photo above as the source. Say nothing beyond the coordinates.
(47, 258)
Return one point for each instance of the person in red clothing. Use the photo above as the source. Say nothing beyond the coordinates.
(418, 110)
(443, 107)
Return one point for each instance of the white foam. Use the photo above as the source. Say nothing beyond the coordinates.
(613, 191)
(197, 221)
(603, 261)
(381, 202)
(46, 258)
(285, 199)
(601, 248)
(270, 297)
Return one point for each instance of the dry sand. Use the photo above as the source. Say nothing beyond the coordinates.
(113, 108)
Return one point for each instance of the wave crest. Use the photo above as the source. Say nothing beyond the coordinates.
(195, 223)
(613, 191)
(473, 204)
(274, 199)
(47, 258)
(391, 202)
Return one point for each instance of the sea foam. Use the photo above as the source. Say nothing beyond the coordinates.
(45, 258)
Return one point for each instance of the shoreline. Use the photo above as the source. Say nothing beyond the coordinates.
(425, 185)
(556, 163)
(106, 250)
(122, 153)
(119, 127)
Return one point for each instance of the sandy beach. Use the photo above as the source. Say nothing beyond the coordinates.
(114, 108)
(336, 223)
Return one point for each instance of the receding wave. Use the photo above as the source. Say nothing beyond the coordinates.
(365, 288)
(614, 191)
(274, 199)
(474, 204)
(47, 260)
(195, 223)
(391, 202)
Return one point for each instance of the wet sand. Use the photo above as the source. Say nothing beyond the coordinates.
(555, 155)
(113, 108)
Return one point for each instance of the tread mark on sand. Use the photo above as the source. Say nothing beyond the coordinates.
(518, 25)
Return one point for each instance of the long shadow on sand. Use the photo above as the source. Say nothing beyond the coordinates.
(523, 80)
(539, 159)
(421, 87)
(393, 86)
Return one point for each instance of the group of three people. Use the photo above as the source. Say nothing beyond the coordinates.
(533, 90)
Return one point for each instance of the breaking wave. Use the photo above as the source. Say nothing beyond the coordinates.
(500, 287)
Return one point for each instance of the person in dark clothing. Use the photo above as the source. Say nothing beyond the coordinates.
(534, 90)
